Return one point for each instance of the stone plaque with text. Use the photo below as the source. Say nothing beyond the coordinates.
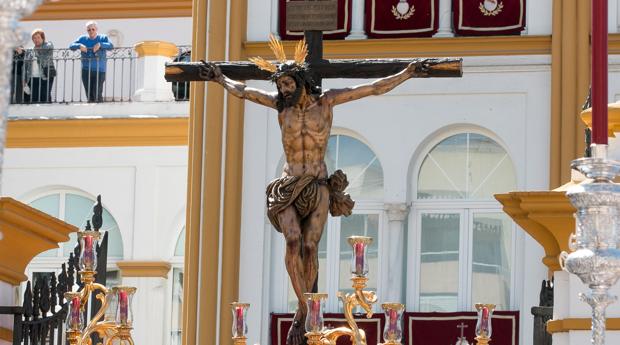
(312, 15)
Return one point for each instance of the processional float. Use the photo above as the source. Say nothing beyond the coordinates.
(318, 334)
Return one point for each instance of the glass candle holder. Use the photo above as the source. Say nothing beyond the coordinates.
(314, 319)
(124, 312)
(359, 263)
(110, 312)
(393, 332)
(483, 324)
(75, 318)
(240, 322)
(88, 253)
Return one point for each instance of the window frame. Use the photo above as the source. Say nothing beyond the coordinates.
(467, 208)
(53, 263)
(62, 193)
(466, 214)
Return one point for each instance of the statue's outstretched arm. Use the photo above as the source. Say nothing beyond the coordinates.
(239, 89)
(378, 87)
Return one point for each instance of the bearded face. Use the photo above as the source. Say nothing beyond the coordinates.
(289, 92)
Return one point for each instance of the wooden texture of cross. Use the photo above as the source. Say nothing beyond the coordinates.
(321, 68)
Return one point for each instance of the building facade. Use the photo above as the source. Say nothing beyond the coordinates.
(424, 163)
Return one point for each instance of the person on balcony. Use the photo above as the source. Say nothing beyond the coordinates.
(93, 47)
(17, 76)
(39, 68)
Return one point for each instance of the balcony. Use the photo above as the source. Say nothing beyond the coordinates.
(127, 82)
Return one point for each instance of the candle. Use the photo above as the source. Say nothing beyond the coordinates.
(484, 324)
(599, 72)
(315, 312)
(239, 322)
(123, 305)
(393, 322)
(359, 258)
(75, 313)
(89, 253)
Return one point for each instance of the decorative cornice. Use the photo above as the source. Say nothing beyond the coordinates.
(156, 48)
(613, 118)
(157, 269)
(547, 216)
(109, 9)
(97, 132)
(21, 225)
(427, 47)
(420, 47)
(579, 324)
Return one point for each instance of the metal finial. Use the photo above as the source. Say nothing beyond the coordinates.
(97, 214)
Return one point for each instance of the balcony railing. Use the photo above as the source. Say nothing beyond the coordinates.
(64, 76)
(180, 90)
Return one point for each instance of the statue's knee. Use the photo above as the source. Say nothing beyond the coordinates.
(293, 240)
(310, 247)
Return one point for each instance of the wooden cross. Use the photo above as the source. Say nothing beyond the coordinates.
(314, 24)
(320, 68)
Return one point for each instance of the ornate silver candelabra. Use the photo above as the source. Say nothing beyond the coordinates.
(11, 11)
(595, 257)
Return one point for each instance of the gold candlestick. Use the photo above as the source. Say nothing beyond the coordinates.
(110, 328)
(316, 335)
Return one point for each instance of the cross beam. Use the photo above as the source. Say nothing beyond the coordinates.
(346, 68)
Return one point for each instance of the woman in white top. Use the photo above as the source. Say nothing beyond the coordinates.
(40, 71)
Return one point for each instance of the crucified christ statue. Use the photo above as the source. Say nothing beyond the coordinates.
(298, 202)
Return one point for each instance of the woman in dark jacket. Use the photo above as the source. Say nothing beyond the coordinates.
(17, 76)
(40, 70)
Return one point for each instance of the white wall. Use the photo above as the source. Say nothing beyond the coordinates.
(143, 188)
(133, 30)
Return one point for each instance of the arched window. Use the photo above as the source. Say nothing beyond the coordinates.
(361, 165)
(76, 208)
(460, 229)
(365, 176)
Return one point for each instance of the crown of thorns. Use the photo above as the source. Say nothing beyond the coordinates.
(286, 67)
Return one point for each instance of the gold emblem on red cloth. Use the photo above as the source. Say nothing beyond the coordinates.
(491, 7)
(403, 10)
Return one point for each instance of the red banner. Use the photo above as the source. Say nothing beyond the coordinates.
(394, 18)
(373, 327)
(488, 17)
(344, 22)
(443, 328)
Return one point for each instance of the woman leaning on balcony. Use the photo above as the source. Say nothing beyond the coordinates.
(39, 68)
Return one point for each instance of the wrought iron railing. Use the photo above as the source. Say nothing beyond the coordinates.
(542, 314)
(180, 90)
(64, 76)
